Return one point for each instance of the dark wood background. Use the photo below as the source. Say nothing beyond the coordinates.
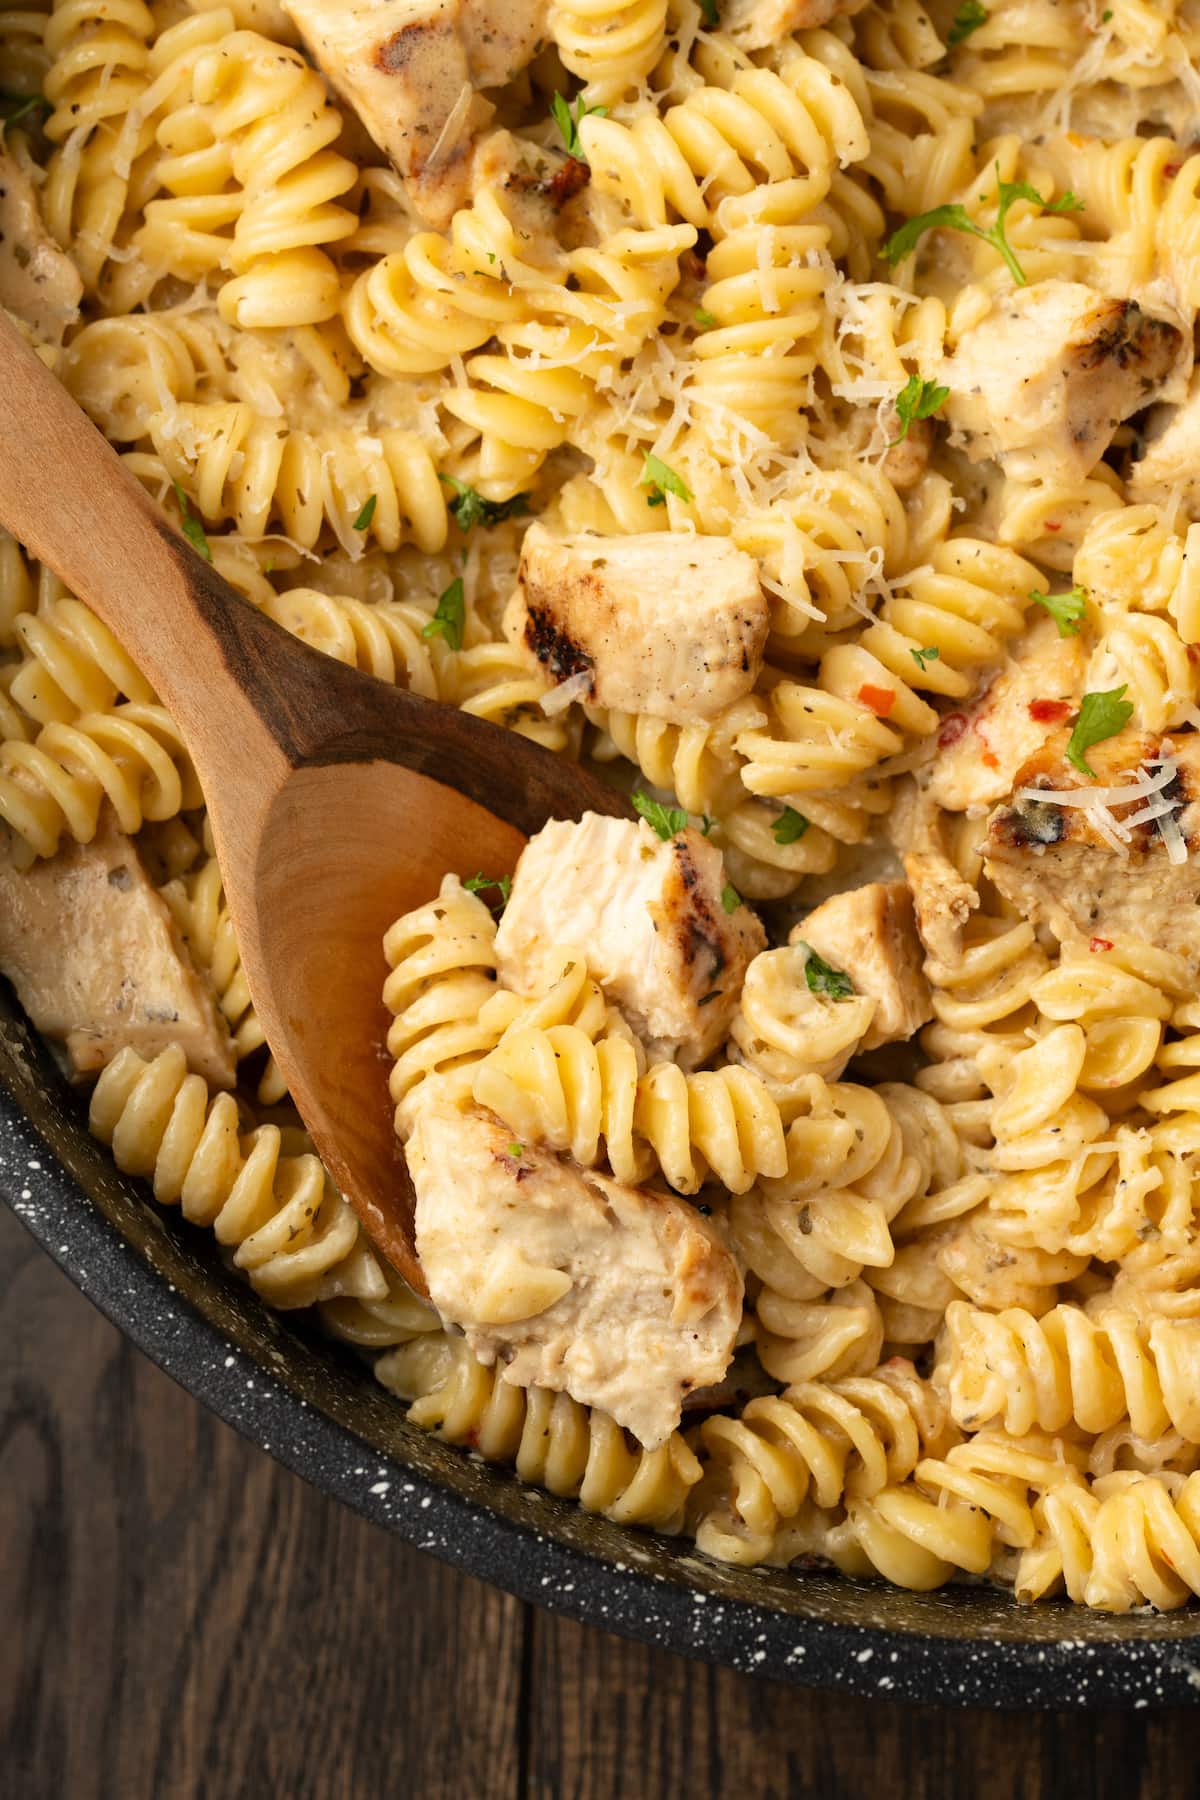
(179, 1617)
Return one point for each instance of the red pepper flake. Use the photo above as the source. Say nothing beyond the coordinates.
(879, 700)
(1053, 524)
(1171, 170)
(953, 728)
(990, 760)
(1049, 712)
(1098, 944)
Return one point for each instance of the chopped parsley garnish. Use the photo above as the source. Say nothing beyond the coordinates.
(706, 824)
(515, 1149)
(789, 827)
(450, 617)
(730, 898)
(1065, 609)
(568, 122)
(190, 525)
(956, 218)
(666, 820)
(823, 978)
(710, 14)
(470, 508)
(366, 513)
(969, 17)
(476, 884)
(917, 399)
(928, 655)
(22, 105)
(1100, 716)
(662, 480)
(707, 319)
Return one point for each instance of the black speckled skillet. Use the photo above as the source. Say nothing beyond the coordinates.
(318, 1411)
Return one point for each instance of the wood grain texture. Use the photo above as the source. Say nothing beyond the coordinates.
(183, 1620)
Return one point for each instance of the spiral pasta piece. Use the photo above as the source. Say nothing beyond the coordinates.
(288, 1229)
(550, 1439)
(131, 755)
(824, 1440)
(1069, 1368)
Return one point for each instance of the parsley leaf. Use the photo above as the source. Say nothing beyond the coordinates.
(917, 399)
(730, 898)
(475, 884)
(470, 508)
(450, 617)
(953, 217)
(190, 525)
(706, 319)
(662, 480)
(666, 820)
(568, 122)
(1100, 716)
(515, 1149)
(928, 655)
(366, 513)
(1065, 609)
(969, 17)
(789, 827)
(22, 105)
(710, 14)
(706, 824)
(823, 978)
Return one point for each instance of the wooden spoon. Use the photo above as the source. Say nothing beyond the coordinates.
(337, 801)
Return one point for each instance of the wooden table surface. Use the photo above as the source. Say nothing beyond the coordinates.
(181, 1617)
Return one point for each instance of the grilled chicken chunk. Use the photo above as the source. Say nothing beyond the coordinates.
(625, 1299)
(943, 899)
(1060, 868)
(1045, 379)
(648, 918)
(413, 69)
(1171, 458)
(37, 282)
(662, 623)
(870, 933)
(97, 961)
(757, 24)
(981, 749)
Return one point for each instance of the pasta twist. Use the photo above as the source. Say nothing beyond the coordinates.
(71, 664)
(131, 755)
(1070, 1368)
(236, 466)
(289, 1230)
(1131, 1540)
(826, 1440)
(785, 1033)
(254, 115)
(560, 1087)
(611, 45)
(551, 1440)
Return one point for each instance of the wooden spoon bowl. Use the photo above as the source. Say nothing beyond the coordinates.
(337, 802)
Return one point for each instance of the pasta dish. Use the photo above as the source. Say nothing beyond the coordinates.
(788, 408)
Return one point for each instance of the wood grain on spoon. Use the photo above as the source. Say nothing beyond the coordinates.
(337, 801)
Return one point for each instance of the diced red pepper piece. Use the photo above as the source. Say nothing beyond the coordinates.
(1049, 712)
(879, 700)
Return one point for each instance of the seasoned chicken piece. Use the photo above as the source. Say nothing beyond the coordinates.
(1059, 866)
(412, 70)
(37, 282)
(625, 1299)
(757, 24)
(981, 749)
(649, 919)
(870, 933)
(97, 961)
(1045, 379)
(1170, 460)
(667, 624)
